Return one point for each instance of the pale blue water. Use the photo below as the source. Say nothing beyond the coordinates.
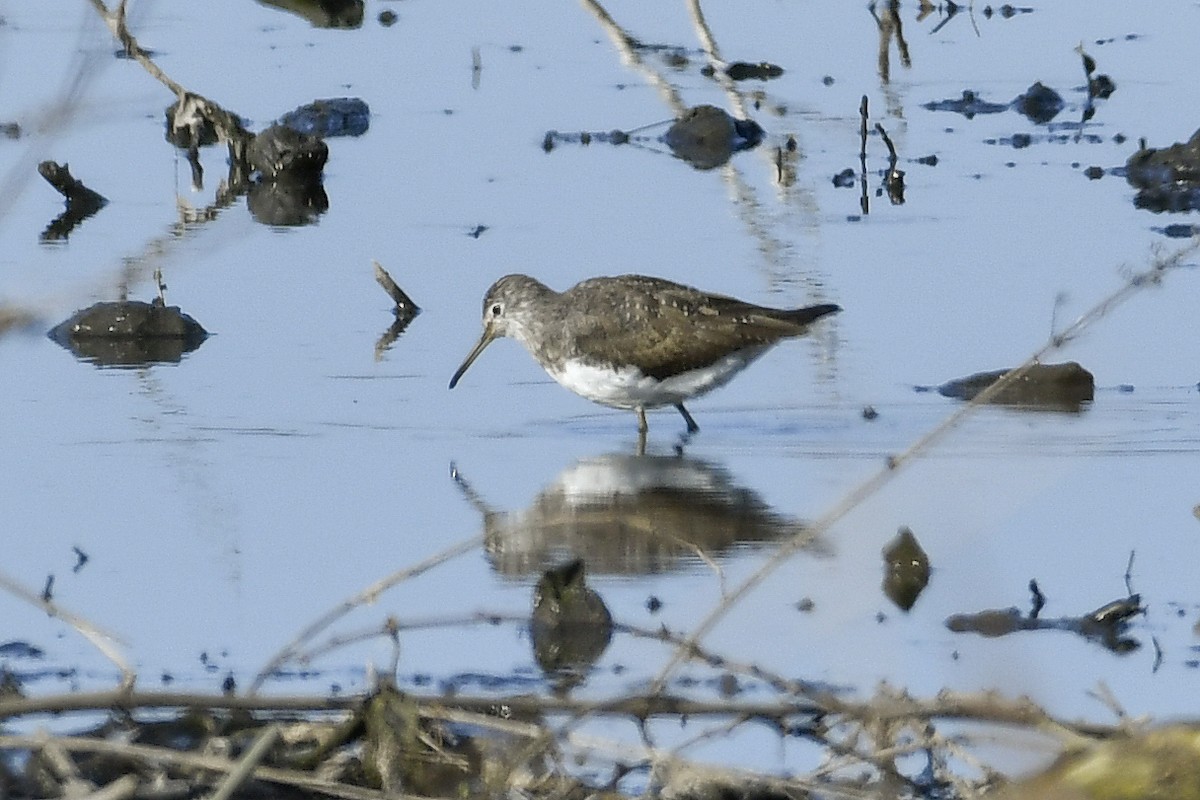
(229, 500)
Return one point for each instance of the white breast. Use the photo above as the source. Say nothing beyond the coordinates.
(628, 388)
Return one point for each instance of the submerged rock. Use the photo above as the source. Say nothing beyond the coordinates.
(287, 201)
(745, 71)
(1063, 387)
(1167, 178)
(283, 151)
(706, 136)
(1039, 103)
(968, 105)
(339, 116)
(129, 333)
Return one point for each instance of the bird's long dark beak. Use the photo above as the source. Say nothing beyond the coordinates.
(487, 338)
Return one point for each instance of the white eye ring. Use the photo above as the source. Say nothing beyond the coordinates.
(497, 310)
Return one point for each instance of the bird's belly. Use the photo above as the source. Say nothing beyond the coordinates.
(627, 387)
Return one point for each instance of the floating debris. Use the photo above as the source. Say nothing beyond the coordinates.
(188, 127)
(968, 105)
(1099, 86)
(404, 309)
(59, 176)
(82, 202)
(81, 558)
(1005, 11)
(1105, 625)
(20, 649)
(1175, 231)
(1039, 103)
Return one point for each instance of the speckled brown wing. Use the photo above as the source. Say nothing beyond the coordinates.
(666, 328)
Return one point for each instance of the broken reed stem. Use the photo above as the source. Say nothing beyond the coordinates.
(115, 20)
(624, 44)
(14, 707)
(247, 763)
(404, 303)
(392, 626)
(862, 132)
(886, 706)
(715, 61)
(103, 641)
(864, 202)
(1151, 276)
(887, 141)
(367, 595)
(122, 788)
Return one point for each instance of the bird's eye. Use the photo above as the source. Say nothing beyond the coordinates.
(497, 309)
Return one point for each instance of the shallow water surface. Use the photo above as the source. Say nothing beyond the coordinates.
(226, 501)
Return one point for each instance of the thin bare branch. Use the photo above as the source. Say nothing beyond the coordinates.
(103, 641)
(366, 596)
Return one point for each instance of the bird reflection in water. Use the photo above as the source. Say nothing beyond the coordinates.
(632, 515)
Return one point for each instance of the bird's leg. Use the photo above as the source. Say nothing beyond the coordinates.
(691, 423)
(642, 428)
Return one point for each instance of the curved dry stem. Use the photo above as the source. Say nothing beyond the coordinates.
(102, 640)
(624, 43)
(115, 20)
(106, 701)
(392, 626)
(247, 763)
(165, 755)
(368, 595)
